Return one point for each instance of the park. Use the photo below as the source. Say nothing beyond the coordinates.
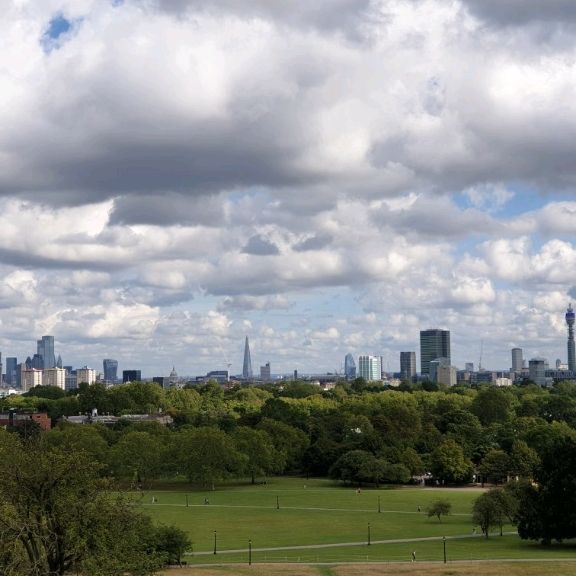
(316, 521)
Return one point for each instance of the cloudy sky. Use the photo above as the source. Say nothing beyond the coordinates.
(324, 177)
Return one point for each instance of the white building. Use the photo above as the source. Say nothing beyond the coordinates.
(31, 377)
(370, 368)
(54, 377)
(85, 374)
(446, 375)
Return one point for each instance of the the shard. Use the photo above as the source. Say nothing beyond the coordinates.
(247, 366)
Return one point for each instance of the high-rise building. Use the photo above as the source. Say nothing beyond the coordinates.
(45, 349)
(570, 317)
(54, 377)
(11, 364)
(369, 368)
(110, 369)
(349, 367)
(131, 376)
(407, 365)
(85, 374)
(30, 377)
(266, 372)
(433, 344)
(517, 360)
(247, 365)
(537, 370)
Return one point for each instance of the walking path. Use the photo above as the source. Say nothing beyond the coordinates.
(343, 544)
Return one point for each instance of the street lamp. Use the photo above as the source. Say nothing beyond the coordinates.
(369, 539)
(379, 505)
(249, 552)
(186, 500)
(277, 503)
(214, 541)
(444, 543)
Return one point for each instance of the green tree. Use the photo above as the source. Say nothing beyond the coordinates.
(448, 463)
(495, 466)
(171, 542)
(439, 508)
(57, 516)
(547, 509)
(207, 455)
(262, 458)
(488, 511)
(492, 405)
(138, 456)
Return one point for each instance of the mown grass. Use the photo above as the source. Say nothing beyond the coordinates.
(290, 512)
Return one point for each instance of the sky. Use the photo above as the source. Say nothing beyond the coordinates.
(325, 177)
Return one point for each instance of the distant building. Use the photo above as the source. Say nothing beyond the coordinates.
(446, 375)
(570, 318)
(45, 349)
(54, 377)
(265, 372)
(370, 368)
(21, 419)
(30, 377)
(435, 365)
(247, 364)
(517, 360)
(407, 365)
(11, 364)
(537, 371)
(434, 344)
(349, 367)
(131, 376)
(85, 374)
(110, 367)
(469, 366)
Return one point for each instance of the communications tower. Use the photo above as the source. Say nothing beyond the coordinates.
(570, 317)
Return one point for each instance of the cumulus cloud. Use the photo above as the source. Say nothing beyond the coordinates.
(180, 173)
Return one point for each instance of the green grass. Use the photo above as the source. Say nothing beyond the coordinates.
(324, 513)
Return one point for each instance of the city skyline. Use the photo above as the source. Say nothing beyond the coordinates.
(328, 180)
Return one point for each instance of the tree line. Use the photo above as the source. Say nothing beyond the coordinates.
(353, 433)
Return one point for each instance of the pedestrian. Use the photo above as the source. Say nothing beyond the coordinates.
(418, 508)
(414, 556)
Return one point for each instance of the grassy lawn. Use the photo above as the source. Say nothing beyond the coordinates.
(296, 512)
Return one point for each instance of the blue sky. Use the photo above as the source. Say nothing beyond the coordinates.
(325, 180)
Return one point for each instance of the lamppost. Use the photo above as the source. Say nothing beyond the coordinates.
(186, 500)
(249, 552)
(369, 539)
(277, 503)
(379, 510)
(214, 541)
(444, 543)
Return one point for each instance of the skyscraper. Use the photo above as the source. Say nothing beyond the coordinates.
(370, 368)
(45, 349)
(407, 365)
(571, 350)
(247, 365)
(11, 363)
(517, 360)
(434, 344)
(110, 369)
(349, 367)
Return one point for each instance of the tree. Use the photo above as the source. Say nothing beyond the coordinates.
(172, 542)
(492, 508)
(547, 509)
(57, 516)
(138, 456)
(495, 465)
(439, 508)
(448, 463)
(262, 458)
(207, 455)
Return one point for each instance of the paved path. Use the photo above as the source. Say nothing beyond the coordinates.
(343, 544)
